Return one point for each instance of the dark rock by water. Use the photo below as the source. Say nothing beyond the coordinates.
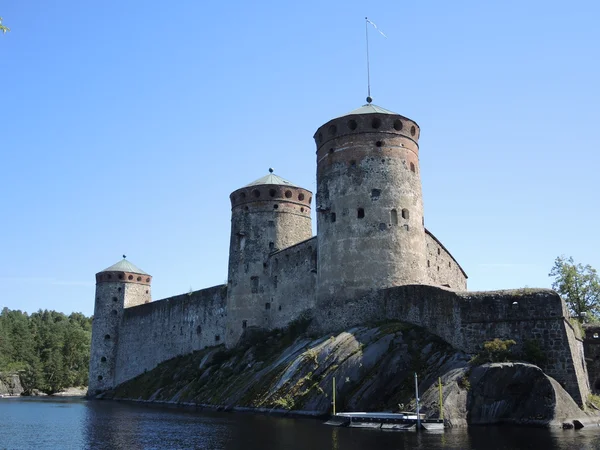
(374, 370)
(10, 384)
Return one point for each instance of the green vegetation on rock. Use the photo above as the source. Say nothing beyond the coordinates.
(48, 349)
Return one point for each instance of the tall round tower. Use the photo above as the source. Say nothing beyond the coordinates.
(369, 204)
(267, 215)
(119, 286)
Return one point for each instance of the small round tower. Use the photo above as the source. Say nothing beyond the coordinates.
(369, 204)
(267, 215)
(119, 286)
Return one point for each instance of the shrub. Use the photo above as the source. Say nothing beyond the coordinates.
(495, 350)
(533, 353)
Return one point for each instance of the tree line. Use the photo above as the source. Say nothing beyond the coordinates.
(51, 351)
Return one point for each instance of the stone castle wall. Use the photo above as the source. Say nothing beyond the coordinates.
(154, 332)
(442, 268)
(467, 319)
(293, 278)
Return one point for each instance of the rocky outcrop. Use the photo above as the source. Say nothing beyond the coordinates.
(10, 384)
(518, 393)
(374, 369)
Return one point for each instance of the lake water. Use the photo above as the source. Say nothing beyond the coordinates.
(27, 423)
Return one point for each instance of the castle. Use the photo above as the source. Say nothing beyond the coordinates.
(372, 259)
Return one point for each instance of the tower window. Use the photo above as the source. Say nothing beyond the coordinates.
(120, 276)
(331, 151)
(139, 278)
(130, 277)
(332, 130)
(360, 213)
(375, 193)
(256, 193)
(300, 196)
(379, 144)
(301, 209)
(217, 338)
(275, 206)
(412, 167)
(397, 125)
(352, 124)
(376, 122)
(288, 194)
(107, 336)
(275, 281)
(103, 359)
(439, 252)
(198, 329)
(271, 246)
(267, 306)
(428, 263)
(405, 214)
(114, 312)
(394, 217)
(119, 289)
(333, 217)
(99, 377)
(272, 192)
(244, 323)
(254, 288)
(413, 130)
(115, 298)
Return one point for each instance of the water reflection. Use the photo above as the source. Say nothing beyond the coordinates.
(67, 424)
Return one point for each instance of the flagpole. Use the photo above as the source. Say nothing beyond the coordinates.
(368, 70)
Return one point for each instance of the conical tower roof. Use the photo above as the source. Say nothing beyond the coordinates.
(124, 266)
(271, 178)
(370, 108)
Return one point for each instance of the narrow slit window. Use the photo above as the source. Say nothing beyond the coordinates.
(333, 217)
(405, 214)
(360, 213)
(394, 217)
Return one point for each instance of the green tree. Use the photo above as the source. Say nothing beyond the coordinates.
(3, 28)
(579, 286)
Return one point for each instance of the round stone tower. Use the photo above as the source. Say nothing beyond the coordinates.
(369, 204)
(120, 286)
(267, 215)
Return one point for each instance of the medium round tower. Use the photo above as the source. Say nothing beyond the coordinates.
(267, 215)
(369, 204)
(119, 286)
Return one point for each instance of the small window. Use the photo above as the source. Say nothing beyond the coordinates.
(103, 359)
(376, 122)
(217, 338)
(412, 167)
(198, 329)
(107, 336)
(114, 312)
(99, 377)
(288, 194)
(120, 276)
(130, 277)
(333, 217)
(279, 308)
(118, 289)
(139, 278)
(256, 193)
(413, 130)
(115, 299)
(439, 251)
(449, 265)
(275, 206)
(332, 129)
(375, 193)
(275, 281)
(379, 144)
(405, 214)
(272, 192)
(148, 280)
(301, 209)
(300, 197)
(352, 124)
(254, 288)
(428, 263)
(244, 323)
(398, 125)
(267, 306)
(394, 217)
(360, 213)
(271, 246)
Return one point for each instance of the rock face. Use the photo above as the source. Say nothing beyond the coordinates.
(374, 369)
(517, 393)
(10, 384)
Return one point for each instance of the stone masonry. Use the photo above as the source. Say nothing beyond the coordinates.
(371, 260)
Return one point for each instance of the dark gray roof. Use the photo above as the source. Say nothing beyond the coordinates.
(369, 108)
(124, 266)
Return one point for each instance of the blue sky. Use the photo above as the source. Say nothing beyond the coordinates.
(124, 126)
